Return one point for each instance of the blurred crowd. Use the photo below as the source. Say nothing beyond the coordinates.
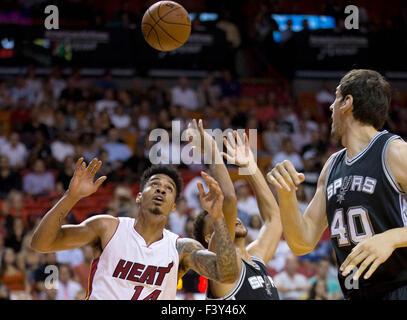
(47, 123)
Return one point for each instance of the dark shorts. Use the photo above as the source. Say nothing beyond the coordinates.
(398, 294)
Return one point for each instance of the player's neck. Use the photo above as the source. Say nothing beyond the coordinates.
(357, 137)
(151, 227)
(240, 244)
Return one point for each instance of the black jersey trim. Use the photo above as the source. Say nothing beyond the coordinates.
(349, 162)
(235, 289)
(334, 157)
(403, 208)
(386, 168)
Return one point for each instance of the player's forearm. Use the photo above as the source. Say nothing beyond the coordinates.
(47, 231)
(297, 231)
(268, 206)
(220, 173)
(226, 260)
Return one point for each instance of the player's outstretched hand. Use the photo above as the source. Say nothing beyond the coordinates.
(284, 176)
(82, 184)
(239, 153)
(202, 139)
(213, 200)
(370, 252)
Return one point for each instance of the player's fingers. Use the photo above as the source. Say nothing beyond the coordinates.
(238, 140)
(229, 148)
(228, 158)
(78, 165)
(91, 165)
(273, 181)
(277, 175)
(354, 263)
(284, 173)
(200, 189)
(355, 251)
(232, 140)
(372, 268)
(289, 167)
(363, 267)
(99, 181)
(96, 168)
(246, 145)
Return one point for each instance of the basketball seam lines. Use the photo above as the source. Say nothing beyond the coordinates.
(159, 18)
(158, 38)
(168, 34)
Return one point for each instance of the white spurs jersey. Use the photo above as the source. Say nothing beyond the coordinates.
(128, 269)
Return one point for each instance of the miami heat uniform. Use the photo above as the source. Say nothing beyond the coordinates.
(128, 269)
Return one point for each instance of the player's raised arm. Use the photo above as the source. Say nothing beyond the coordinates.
(302, 232)
(221, 266)
(50, 235)
(220, 173)
(266, 243)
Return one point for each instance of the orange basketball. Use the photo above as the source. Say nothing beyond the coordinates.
(166, 25)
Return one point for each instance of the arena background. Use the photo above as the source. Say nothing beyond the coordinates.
(95, 88)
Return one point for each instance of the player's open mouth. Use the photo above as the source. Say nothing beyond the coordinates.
(158, 199)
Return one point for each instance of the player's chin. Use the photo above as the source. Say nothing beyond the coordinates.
(240, 233)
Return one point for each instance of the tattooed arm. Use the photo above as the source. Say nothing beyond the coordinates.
(51, 236)
(222, 266)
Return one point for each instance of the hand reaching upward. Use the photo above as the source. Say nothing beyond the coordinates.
(82, 184)
(213, 200)
(239, 153)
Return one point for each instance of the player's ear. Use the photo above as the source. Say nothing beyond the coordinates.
(347, 104)
(174, 207)
(139, 197)
(208, 238)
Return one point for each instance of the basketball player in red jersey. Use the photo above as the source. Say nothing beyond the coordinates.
(361, 194)
(139, 259)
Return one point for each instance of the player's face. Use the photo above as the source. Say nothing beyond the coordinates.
(158, 195)
(336, 129)
(240, 231)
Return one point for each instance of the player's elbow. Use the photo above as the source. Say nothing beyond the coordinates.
(300, 250)
(38, 246)
(230, 199)
(229, 277)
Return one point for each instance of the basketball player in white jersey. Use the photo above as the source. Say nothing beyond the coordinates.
(138, 259)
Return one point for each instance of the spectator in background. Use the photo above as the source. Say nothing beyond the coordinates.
(15, 235)
(34, 84)
(40, 150)
(246, 203)
(119, 119)
(118, 151)
(288, 153)
(331, 289)
(81, 271)
(287, 33)
(12, 275)
(108, 103)
(208, 93)
(66, 173)
(302, 137)
(290, 284)
(265, 110)
(183, 95)
(57, 82)
(271, 138)
(61, 147)
(5, 96)
(71, 93)
(15, 151)
(9, 179)
(253, 228)
(67, 288)
(137, 91)
(21, 91)
(13, 207)
(231, 30)
(178, 219)
(123, 203)
(230, 88)
(191, 194)
(39, 181)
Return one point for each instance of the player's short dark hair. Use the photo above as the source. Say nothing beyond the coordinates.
(199, 225)
(371, 96)
(169, 171)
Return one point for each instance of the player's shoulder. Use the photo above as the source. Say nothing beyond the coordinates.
(102, 221)
(188, 245)
(328, 165)
(396, 158)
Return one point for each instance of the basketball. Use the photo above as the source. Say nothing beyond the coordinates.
(166, 25)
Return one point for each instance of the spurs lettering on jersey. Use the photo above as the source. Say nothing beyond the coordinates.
(257, 282)
(342, 185)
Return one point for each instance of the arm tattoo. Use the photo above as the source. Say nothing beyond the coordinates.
(221, 266)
